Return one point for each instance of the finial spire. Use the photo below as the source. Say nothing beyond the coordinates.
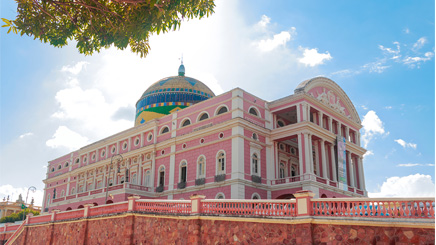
(181, 67)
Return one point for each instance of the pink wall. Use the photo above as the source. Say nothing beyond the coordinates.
(250, 190)
(275, 194)
(209, 193)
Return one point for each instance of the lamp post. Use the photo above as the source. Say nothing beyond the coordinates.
(33, 189)
(118, 158)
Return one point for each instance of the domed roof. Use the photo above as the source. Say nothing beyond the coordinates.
(170, 94)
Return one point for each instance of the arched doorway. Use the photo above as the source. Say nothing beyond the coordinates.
(323, 196)
(95, 204)
(286, 196)
(80, 207)
(109, 202)
(69, 208)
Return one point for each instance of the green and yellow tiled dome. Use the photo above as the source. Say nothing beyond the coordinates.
(170, 94)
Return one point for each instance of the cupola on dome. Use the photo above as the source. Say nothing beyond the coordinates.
(170, 94)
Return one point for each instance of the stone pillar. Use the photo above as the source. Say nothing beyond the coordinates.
(171, 175)
(321, 119)
(333, 159)
(196, 204)
(303, 203)
(317, 163)
(53, 214)
(29, 216)
(300, 154)
(86, 209)
(324, 160)
(339, 125)
(132, 203)
(308, 152)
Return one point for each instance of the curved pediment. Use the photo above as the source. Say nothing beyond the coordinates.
(329, 93)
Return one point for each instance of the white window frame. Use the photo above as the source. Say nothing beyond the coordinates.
(255, 194)
(257, 111)
(162, 129)
(220, 194)
(218, 170)
(183, 121)
(256, 149)
(201, 114)
(199, 176)
(180, 170)
(219, 108)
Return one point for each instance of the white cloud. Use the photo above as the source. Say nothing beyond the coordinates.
(417, 185)
(419, 44)
(264, 21)
(13, 192)
(26, 135)
(406, 30)
(414, 164)
(312, 58)
(404, 144)
(270, 44)
(76, 68)
(368, 153)
(372, 126)
(416, 61)
(65, 137)
(388, 107)
(395, 53)
(364, 107)
(376, 67)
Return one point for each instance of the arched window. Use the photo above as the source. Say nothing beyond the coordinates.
(122, 180)
(162, 176)
(147, 178)
(73, 191)
(201, 165)
(164, 130)
(255, 164)
(69, 208)
(52, 169)
(186, 123)
(59, 167)
(255, 196)
(203, 116)
(282, 170)
(133, 179)
(221, 163)
(220, 196)
(66, 164)
(222, 110)
(183, 172)
(253, 111)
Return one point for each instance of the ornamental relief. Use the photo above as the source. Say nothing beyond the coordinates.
(331, 100)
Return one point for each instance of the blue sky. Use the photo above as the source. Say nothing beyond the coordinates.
(381, 53)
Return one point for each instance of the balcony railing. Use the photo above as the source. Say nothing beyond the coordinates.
(256, 179)
(160, 188)
(220, 177)
(200, 181)
(181, 185)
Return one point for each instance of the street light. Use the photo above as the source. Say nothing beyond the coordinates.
(33, 189)
(118, 158)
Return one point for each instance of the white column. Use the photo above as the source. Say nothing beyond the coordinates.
(171, 176)
(330, 122)
(351, 172)
(309, 141)
(308, 112)
(347, 133)
(67, 193)
(129, 143)
(277, 161)
(361, 173)
(269, 159)
(324, 162)
(298, 113)
(300, 154)
(358, 138)
(317, 153)
(321, 119)
(304, 109)
(333, 160)
(339, 128)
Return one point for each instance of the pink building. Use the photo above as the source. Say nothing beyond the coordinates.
(235, 145)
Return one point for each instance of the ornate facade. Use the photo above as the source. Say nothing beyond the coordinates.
(235, 145)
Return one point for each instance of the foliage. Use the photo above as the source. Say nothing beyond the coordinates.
(100, 23)
(18, 216)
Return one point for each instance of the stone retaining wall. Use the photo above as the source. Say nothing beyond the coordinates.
(135, 228)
